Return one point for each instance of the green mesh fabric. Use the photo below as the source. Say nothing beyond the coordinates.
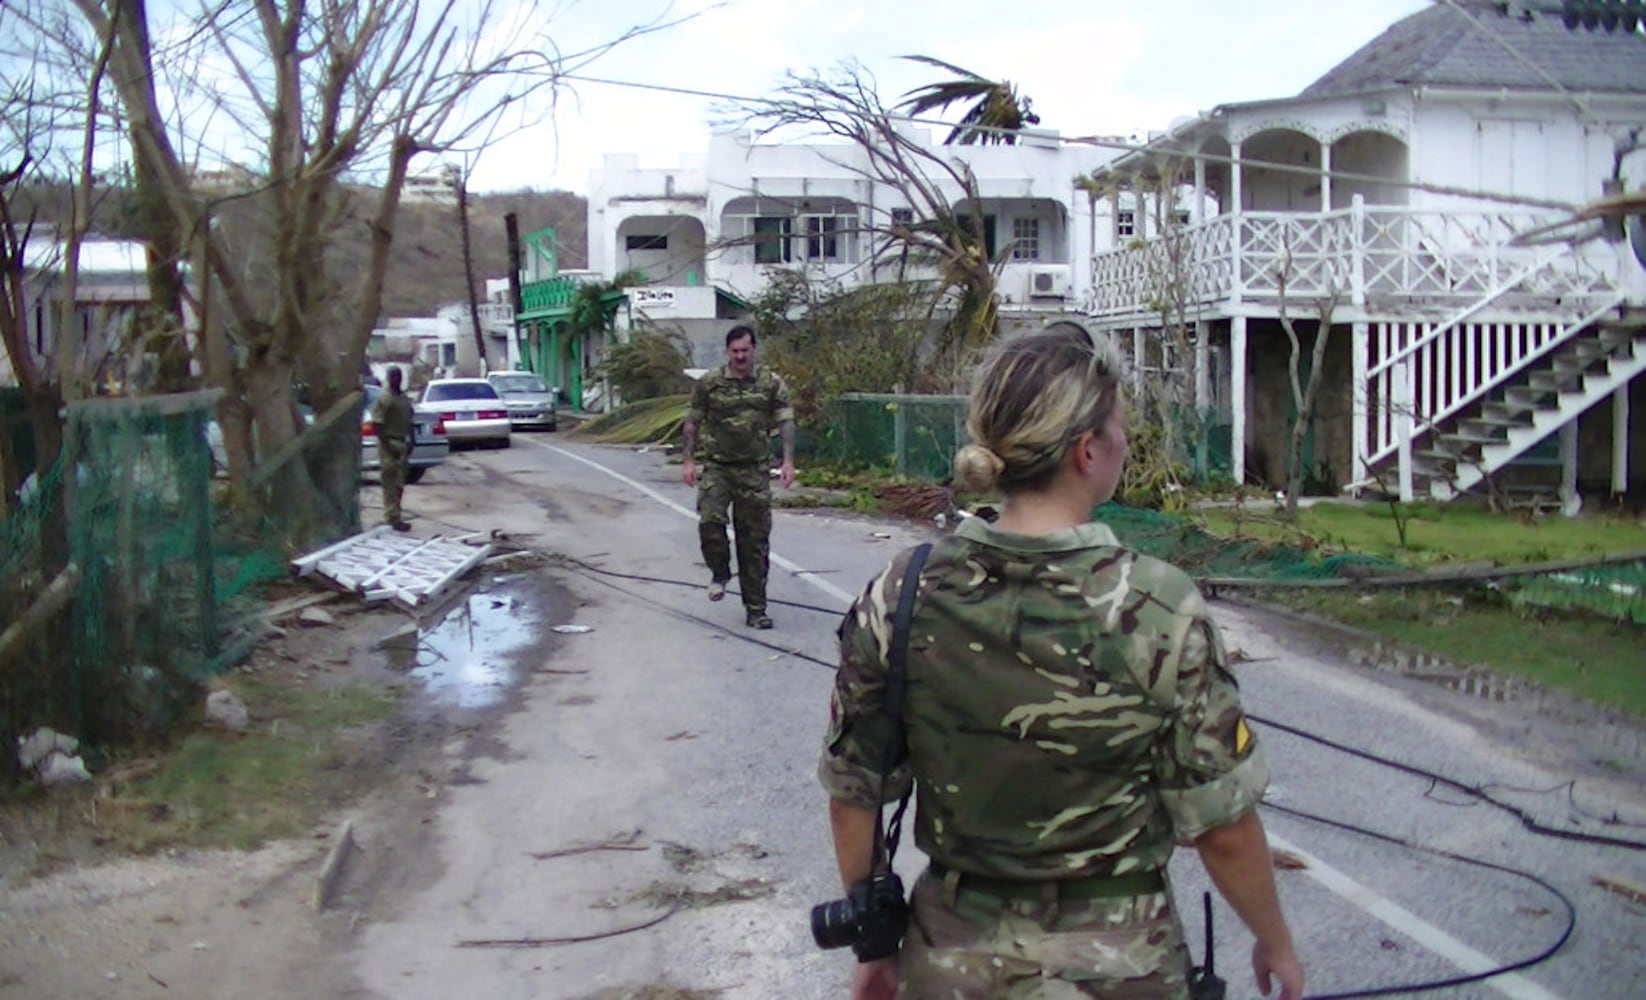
(914, 436)
(1617, 592)
(917, 436)
(1183, 543)
(130, 504)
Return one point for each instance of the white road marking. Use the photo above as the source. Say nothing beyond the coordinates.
(804, 574)
(1467, 959)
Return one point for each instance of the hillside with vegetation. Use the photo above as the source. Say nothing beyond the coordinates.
(426, 261)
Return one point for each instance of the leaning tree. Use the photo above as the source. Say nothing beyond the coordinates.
(316, 112)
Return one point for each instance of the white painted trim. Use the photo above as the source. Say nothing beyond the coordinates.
(1620, 439)
(1359, 419)
(1568, 463)
(1237, 397)
(1202, 365)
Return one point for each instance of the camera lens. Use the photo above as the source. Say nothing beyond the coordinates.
(834, 924)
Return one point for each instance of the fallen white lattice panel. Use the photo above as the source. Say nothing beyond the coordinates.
(381, 564)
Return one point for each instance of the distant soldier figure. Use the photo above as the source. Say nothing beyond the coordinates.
(1068, 716)
(392, 416)
(733, 410)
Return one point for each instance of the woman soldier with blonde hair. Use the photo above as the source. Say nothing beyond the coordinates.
(1068, 716)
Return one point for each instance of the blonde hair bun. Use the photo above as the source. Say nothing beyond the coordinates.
(977, 469)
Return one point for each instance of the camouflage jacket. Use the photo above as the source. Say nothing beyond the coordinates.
(735, 416)
(392, 416)
(1069, 710)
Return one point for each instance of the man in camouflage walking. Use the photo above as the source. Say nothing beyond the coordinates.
(729, 424)
(391, 416)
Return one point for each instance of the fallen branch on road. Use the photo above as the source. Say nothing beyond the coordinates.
(577, 939)
(620, 842)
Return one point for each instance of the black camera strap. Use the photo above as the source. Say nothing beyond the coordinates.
(896, 686)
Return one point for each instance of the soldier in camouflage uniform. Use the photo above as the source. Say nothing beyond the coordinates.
(392, 417)
(728, 426)
(1069, 716)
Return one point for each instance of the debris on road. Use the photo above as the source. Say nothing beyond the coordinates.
(629, 841)
(52, 757)
(381, 565)
(226, 710)
(1634, 892)
(326, 883)
(571, 629)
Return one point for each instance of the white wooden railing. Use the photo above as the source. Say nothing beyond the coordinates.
(1364, 253)
(1419, 375)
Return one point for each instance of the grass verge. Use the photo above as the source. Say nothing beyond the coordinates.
(1433, 533)
(1593, 659)
(211, 787)
(1582, 653)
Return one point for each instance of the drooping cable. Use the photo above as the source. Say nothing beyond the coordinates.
(1448, 982)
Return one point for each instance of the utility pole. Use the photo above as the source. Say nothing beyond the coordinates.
(458, 178)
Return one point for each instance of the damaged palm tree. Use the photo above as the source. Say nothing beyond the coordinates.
(995, 115)
(941, 240)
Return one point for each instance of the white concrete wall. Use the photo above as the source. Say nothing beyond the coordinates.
(737, 180)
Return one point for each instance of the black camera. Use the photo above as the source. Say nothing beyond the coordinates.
(871, 918)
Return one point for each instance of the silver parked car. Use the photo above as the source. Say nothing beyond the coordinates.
(470, 408)
(531, 402)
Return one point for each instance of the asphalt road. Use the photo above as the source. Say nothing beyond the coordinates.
(671, 727)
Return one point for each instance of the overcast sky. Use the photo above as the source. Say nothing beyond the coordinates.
(1109, 67)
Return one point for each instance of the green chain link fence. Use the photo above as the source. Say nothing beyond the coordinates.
(914, 436)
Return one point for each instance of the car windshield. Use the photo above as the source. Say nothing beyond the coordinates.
(438, 391)
(519, 383)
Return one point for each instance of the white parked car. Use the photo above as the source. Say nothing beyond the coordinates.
(470, 408)
(530, 400)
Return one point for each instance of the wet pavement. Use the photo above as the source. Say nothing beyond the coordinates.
(467, 656)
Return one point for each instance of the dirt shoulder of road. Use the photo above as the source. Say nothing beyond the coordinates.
(79, 920)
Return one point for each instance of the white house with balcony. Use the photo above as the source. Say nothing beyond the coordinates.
(1420, 187)
(706, 233)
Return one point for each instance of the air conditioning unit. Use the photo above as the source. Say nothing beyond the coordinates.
(1049, 282)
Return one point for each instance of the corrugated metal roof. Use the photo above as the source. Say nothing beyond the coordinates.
(96, 256)
(1440, 46)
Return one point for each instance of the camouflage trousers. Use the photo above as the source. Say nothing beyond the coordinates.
(975, 946)
(392, 459)
(746, 492)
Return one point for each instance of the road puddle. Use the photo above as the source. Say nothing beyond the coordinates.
(467, 657)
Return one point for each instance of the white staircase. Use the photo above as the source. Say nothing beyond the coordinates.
(1582, 370)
